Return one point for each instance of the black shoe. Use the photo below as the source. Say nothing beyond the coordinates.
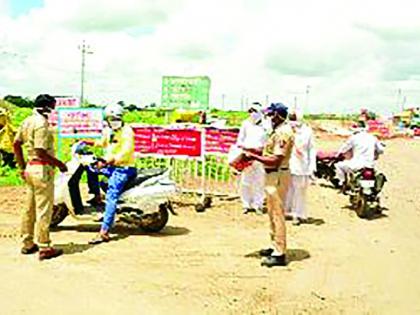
(248, 210)
(298, 221)
(31, 250)
(272, 261)
(266, 252)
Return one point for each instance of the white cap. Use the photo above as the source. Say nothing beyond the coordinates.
(255, 105)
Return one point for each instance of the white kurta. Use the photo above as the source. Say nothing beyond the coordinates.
(302, 166)
(252, 136)
(365, 147)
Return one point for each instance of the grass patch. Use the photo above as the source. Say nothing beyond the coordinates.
(10, 176)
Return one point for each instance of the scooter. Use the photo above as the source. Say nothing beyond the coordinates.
(144, 203)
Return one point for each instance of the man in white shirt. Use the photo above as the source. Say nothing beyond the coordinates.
(365, 149)
(253, 135)
(302, 165)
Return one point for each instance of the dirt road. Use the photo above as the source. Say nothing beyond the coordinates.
(205, 263)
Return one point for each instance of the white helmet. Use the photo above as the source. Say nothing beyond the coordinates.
(114, 111)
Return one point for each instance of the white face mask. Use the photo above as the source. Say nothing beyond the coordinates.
(115, 124)
(295, 124)
(256, 116)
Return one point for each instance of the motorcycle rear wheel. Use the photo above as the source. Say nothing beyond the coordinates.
(60, 212)
(363, 208)
(154, 222)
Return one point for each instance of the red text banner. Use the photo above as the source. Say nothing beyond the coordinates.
(62, 102)
(220, 140)
(168, 141)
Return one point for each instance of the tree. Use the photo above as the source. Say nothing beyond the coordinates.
(19, 101)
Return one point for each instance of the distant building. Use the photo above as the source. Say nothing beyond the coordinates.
(185, 92)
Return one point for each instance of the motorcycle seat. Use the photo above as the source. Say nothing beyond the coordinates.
(326, 155)
(143, 175)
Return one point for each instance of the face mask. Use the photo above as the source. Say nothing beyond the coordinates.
(267, 122)
(44, 112)
(276, 120)
(115, 124)
(256, 116)
(295, 124)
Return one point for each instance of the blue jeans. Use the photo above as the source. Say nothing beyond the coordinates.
(118, 177)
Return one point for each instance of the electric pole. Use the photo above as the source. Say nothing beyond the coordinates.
(223, 101)
(84, 49)
(307, 97)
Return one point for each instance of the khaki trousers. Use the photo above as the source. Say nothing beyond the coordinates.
(276, 186)
(40, 183)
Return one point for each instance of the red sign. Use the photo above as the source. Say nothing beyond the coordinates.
(62, 102)
(220, 140)
(379, 128)
(167, 141)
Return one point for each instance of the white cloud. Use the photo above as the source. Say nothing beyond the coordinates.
(350, 53)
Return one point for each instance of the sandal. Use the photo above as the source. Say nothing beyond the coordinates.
(100, 238)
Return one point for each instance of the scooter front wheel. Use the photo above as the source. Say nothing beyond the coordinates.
(60, 212)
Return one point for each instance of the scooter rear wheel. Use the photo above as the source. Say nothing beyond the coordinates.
(154, 222)
(60, 212)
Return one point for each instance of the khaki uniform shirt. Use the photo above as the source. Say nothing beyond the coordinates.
(280, 142)
(34, 132)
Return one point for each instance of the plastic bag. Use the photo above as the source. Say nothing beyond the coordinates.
(237, 159)
(60, 189)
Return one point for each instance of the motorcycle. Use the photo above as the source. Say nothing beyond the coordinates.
(325, 166)
(144, 203)
(363, 187)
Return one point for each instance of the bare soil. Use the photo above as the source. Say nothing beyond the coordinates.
(206, 263)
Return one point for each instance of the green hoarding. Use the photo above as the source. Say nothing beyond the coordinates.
(185, 92)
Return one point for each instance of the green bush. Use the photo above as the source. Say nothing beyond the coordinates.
(10, 176)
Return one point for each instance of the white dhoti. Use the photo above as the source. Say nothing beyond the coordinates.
(296, 196)
(345, 167)
(252, 186)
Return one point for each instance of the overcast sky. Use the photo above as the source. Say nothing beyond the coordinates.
(329, 55)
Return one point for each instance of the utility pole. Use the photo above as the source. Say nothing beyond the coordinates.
(307, 97)
(223, 101)
(84, 49)
(398, 98)
(266, 101)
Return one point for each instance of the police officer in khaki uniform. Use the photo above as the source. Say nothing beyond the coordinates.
(38, 173)
(275, 158)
